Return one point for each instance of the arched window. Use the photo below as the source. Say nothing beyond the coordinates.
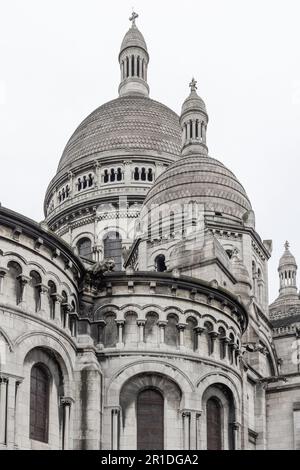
(160, 225)
(119, 174)
(12, 282)
(127, 67)
(138, 66)
(213, 424)
(136, 175)
(150, 174)
(132, 65)
(113, 248)
(171, 332)
(143, 174)
(208, 329)
(105, 179)
(160, 263)
(35, 285)
(52, 291)
(91, 180)
(79, 184)
(39, 403)
(189, 333)
(172, 224)
(150, 420)
(84, 247)
(112, 175)
(110, 331)
(222, 345)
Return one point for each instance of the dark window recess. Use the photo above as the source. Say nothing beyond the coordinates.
(113, 249)
(160, 263)
(213, 424)
(39, 404)
(150, 420)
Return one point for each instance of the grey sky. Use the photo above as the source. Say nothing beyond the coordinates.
(59, 62)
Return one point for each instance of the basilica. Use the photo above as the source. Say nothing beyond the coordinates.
(136, 314)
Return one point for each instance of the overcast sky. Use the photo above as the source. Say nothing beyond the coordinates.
(58, 62)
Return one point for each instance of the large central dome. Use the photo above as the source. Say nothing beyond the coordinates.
(131, 123)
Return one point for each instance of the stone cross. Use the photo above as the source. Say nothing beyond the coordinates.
(133, 17)
(193, 85)
(286, 245)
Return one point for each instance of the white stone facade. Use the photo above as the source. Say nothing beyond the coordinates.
(185, 312)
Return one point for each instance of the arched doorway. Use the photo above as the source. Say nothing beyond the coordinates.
(214, 424)
(150, 420)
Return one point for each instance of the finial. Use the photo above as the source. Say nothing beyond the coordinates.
(133, 17)
(193, 85)
(286, 245)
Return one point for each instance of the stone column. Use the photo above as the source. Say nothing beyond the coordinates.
(57, 302)
(198, 331)
(44, 304)
(141, 325)
(66, 403)
(181, 327)
(3, 409)
(23, 280)
(213, 335)
(67, 308)
(198, 427)
(16, 427)
(120, 325)
(235, 428)
(186, 419)
(162, 325)
(101, 326)
(3, 272)
(115, 428)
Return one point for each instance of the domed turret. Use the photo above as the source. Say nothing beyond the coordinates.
(193, 121)
(133, 59)
(287, 270)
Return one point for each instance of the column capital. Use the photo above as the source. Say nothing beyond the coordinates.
(56, 297)
(67, 307)
(162, 323)
(3, 271)
(3, 379)
(43, 288)
(66, 401)
(181, 326)
(120, 322)
(141, 322)
(213, 334)
(23, 279)
(199, 330)
(185, 413)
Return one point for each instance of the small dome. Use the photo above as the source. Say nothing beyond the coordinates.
(193, 103)
(133, 123)
(204, 180)
(287, 258)
(133, 38)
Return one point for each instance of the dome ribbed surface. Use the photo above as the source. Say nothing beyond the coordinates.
(193, 103)
(287, 258)
(204, 180)
(133, 38)
(132, 123)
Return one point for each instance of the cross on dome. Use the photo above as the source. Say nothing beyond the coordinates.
(286, 245)
(133, 17)
(193, 85)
